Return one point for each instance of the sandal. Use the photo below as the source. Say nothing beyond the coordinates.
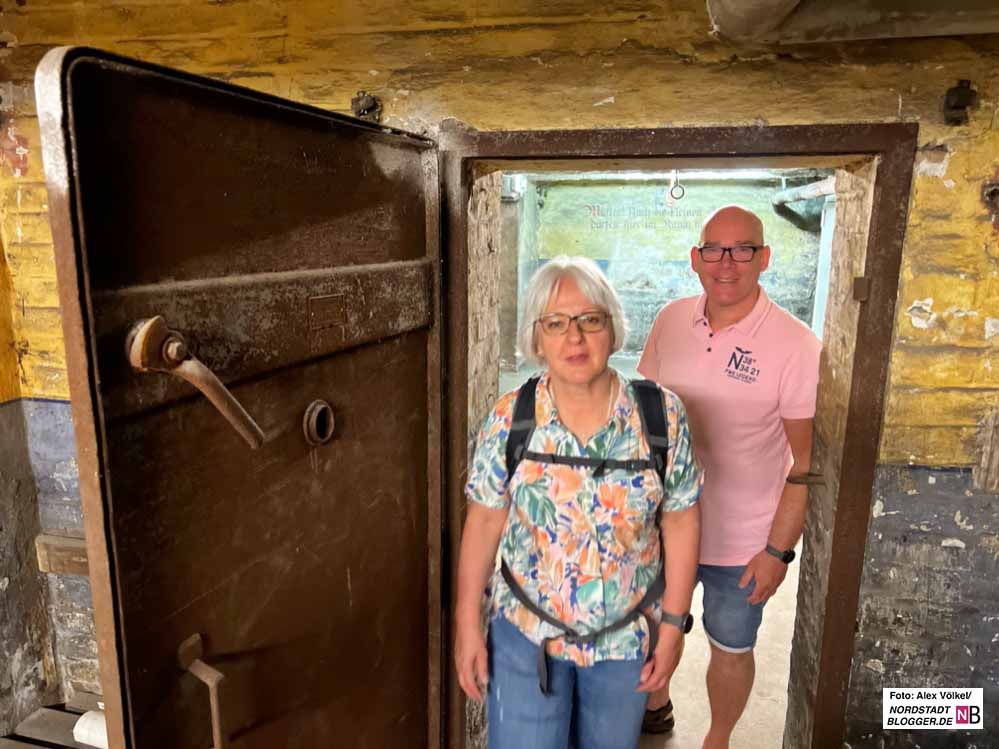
(659, 721)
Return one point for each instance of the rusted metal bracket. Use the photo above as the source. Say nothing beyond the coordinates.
(153, 347)
(189, 656)
(366, 106)
(957, 101)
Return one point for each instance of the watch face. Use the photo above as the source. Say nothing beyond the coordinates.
(688, 624)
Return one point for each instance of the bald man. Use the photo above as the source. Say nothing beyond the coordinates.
(747, 371)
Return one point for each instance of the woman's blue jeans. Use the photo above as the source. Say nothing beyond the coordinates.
(596, 707)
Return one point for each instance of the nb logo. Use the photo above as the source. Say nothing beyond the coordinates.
(967, 714)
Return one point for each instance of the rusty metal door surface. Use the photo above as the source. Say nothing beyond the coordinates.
(295, 254)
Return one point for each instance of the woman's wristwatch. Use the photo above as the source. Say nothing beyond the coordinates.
(785, 556)
(683, 622)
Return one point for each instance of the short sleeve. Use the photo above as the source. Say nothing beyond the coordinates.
(684, 477)
(800, 379)
(648, 365)
(487, 478)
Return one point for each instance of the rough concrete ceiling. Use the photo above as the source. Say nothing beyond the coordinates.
(804, 21)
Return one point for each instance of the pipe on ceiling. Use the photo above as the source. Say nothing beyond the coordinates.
(810, 191)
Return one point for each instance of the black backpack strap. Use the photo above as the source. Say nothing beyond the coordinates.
(599, 465)
(522, 425)
(653, 416)
(653, 594)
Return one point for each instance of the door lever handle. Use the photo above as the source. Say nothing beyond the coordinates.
(189, 655)
(153, 347)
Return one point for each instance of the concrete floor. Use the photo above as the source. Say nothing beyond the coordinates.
(762, 724)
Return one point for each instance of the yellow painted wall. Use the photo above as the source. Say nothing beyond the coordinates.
(36, 357)
(9, 384)
(505, 64)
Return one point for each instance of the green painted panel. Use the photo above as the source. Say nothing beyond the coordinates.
(642, 239)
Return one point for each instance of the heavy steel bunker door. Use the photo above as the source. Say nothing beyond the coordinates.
(250, 297)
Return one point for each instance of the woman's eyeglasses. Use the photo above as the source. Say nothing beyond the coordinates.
(741, 253)
(555, 323)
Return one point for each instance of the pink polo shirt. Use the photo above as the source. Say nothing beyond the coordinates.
(737, 385)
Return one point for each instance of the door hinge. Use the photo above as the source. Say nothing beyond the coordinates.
(861, 288)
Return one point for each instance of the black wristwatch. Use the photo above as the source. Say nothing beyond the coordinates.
(785, 556)
(683, 622)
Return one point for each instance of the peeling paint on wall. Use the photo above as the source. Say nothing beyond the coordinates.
(879, 510)
(990, 544)
(875, 665)
(933, 162)
(921, 313)
(959, 313)
(14, 152)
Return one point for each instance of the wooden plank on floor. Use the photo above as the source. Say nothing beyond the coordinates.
(81, 702)
(50, 725)
(62, 554)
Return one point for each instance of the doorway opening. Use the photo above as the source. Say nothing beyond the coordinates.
(505, 204)
(639, 226)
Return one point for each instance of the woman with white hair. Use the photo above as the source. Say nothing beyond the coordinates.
(580, 497)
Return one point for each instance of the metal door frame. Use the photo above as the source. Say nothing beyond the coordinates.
(894, 144)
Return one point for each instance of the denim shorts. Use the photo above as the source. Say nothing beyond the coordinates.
(730, 621)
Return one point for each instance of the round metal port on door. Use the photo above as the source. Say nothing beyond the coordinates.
(319, 423)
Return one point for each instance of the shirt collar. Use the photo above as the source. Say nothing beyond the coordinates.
(747, 325)
(545, 411)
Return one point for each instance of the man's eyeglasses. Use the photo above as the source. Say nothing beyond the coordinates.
(741, 253)
(556, 323)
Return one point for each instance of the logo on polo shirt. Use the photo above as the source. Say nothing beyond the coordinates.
(742, 366)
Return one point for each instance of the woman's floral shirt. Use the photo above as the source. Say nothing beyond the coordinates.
(584, 548)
